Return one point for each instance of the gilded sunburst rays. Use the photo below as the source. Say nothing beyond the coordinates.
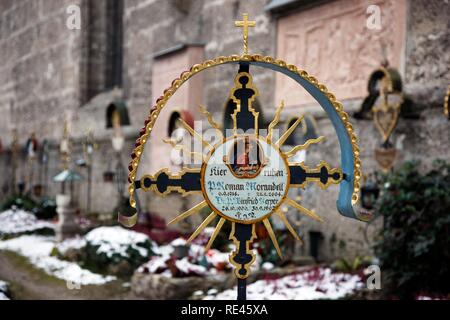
(211, 121)
(303, 210)
(202, 226)
(199, 156)
(304, 146)
(272, 236)
(287, 154)
(194, 133)
(215, 233)
(288, 225)
(275, 121)
(288, 132)
(189, 212)
(195, 209)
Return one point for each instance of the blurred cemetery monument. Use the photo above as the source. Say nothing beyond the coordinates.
(66, 199)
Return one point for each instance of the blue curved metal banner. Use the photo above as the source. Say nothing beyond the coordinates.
(344, 202)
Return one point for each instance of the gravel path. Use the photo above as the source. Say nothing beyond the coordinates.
(27, 282)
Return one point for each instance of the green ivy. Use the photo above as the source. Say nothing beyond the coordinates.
(44, 209)
(414, 249)
(20, 201)
(115, 263)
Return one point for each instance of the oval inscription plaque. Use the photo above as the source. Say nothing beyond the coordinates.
(245, 179)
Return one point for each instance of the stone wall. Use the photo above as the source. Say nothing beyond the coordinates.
(39, 67)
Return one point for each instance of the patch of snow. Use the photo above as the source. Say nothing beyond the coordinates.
(218, 259)
(167, 274)
(196, 263)
(115, 234)
(20, 221)
(116, 240)
(196, 250)
(428, 298)
(198, 293)
(208, 231)
(256, 265)
(30, 246)
(70, 271)
(38, 249)
(164, 251)
(3, 286)
(189, 268)
(3, 290)
(212, 291)
(178, 242)
(213, 271)
(319, 283)
(72, 243)
(267, 266)
(155, 264)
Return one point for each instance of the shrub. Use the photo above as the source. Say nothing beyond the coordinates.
(45, 209)
(19, 201)
(116, 250)
(107, 250)
(414, 246)
(352, 265)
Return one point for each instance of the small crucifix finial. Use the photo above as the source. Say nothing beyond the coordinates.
(245, 24)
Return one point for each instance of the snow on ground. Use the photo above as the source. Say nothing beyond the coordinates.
(116, 240)
(3, 286)
(196, 263)
(3, 290)
(320, 283)
(267, 266)
(71, 243)
(217, 259)
(38, 249)
(110, 240)
(187, 267)
(20, 221)
(430, 298)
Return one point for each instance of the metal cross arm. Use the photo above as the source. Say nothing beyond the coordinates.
(163, 182)
(323, 175)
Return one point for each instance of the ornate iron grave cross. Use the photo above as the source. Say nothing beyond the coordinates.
(245, 177)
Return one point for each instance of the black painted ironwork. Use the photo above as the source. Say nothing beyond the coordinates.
(246, 122)
(189, 181)
(299, 175)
